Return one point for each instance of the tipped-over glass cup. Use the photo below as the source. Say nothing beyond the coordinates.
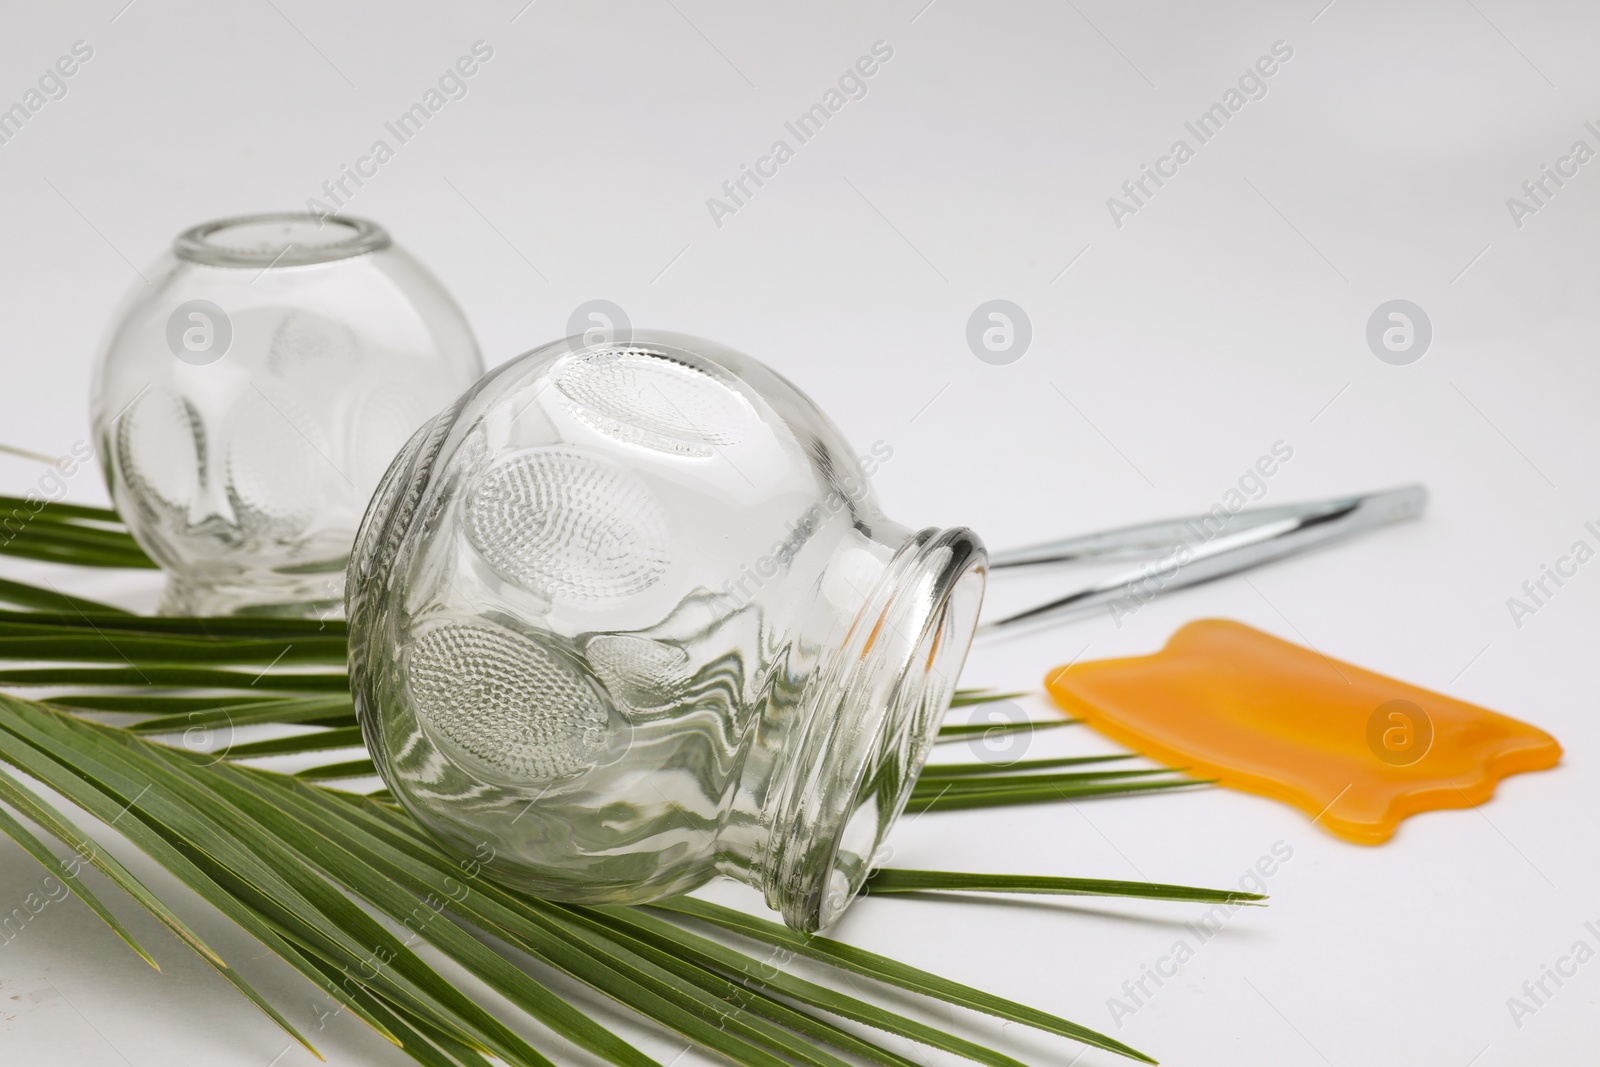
(627, 615)
(252, 393)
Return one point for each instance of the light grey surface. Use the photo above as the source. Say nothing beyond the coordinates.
(1228, 313)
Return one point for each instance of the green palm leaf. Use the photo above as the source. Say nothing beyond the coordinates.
(324, 879)
(900, 880)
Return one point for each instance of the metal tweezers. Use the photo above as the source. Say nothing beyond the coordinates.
(1188, 551)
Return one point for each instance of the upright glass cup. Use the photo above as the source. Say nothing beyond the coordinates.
(627, 615)
(252, 393)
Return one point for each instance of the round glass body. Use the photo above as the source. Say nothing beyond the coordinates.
(627, 615)
(253, 392)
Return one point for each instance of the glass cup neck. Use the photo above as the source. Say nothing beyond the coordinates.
(851, 743)
(284, 239)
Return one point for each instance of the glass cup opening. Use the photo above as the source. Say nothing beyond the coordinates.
(283, 239)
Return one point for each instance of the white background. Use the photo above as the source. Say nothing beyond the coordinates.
(1227, 314)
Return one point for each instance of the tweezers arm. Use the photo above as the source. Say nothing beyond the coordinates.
(1268, 534)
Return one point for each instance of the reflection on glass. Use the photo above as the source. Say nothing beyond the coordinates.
(627, 615)
(252, 393)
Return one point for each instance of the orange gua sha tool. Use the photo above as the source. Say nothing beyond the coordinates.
(1356, 750)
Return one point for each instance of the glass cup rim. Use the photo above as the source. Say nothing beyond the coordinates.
(363, 236)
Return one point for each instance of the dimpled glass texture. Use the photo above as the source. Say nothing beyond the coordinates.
(627, 616)
(251, 395)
